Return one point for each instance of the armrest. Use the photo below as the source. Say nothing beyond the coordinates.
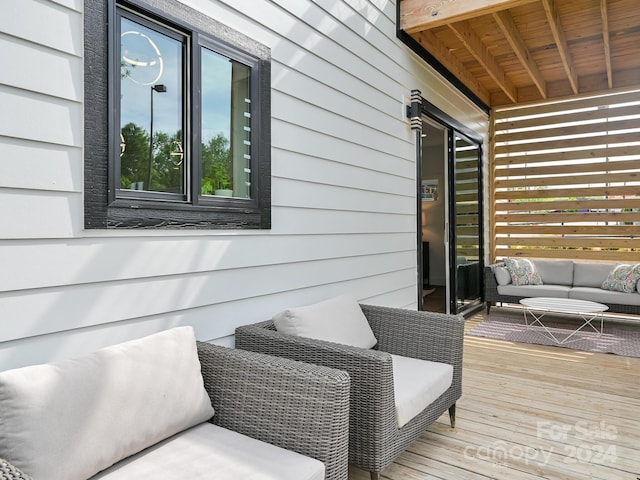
(371, 371)
(490, 283)
(297, 406)
(359, 362)
(9, 472)
(437, 337)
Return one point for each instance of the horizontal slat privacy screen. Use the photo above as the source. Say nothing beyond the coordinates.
(566, 180)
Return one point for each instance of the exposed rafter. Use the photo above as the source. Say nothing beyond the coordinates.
(451, 63)
(510, 31)
(561, 42)
(475, 46)
(517, 51)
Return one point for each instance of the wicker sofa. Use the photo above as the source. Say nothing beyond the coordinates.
(580, 280)
(266, 410)
(375, 437)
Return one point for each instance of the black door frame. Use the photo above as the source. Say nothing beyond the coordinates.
(420, 106)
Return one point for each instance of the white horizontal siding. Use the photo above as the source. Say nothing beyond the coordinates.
(34, 116)
(40, 264)
(25, 213)
(339, 170)
(54, 309)
(40, 166)
(343, 185)
(40, 69)
(54, 24)
(293, 138)
(213, 322)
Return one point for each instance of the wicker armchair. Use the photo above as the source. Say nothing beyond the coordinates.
(9, 472)
(297, 406)
(374, 437)
(294, 405)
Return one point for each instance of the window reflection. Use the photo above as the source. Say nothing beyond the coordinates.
(226, 126)
(151, 109)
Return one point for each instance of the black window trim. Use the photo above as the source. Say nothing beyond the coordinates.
(102, 208)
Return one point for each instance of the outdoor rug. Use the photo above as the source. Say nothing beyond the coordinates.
(620, 339)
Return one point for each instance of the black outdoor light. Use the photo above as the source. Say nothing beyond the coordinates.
(160, 88)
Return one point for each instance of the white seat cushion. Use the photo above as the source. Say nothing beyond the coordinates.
(339, 320)
(71, 419)
(417, 384)
(556, 291)
(207, 452)
(604, 296)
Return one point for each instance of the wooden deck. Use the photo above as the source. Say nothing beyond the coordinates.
(531, 412)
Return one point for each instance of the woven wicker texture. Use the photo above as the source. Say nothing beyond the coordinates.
(374, 437)
(297, 406)
(9, 472)
(492, 295)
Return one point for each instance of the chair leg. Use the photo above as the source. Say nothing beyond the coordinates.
(452, 415)
(375, 475)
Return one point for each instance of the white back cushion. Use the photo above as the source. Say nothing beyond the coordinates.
(555, 272)
(590, 274)
(70, 419)
(338, 320)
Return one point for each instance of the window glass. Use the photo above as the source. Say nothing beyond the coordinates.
(187, 138)
(151, 110)
(226, 126)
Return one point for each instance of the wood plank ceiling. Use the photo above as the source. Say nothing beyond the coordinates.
(519, 51)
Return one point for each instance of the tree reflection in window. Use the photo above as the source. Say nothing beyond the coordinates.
(151, 108)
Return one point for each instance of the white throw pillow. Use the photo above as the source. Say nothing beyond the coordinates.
(338, 320)
(522, 271)
(623, 278)
(69, 420)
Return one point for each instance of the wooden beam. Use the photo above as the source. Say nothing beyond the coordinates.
(481, 53)
(417, 15)
(434, 46)
(511, 33)
(607, 44)
(561, 42)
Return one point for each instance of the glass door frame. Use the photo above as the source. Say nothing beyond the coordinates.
(471, 267)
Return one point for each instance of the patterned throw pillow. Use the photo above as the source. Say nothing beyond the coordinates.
(522, 271)
(623, 278)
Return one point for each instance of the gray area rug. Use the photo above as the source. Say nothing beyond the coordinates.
(618, 339)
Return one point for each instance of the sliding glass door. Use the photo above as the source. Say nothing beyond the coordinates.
(450, 192)
(465, 220)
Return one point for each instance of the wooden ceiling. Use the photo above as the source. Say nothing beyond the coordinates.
(518, 51)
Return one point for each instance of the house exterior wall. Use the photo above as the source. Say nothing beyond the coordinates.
(343, 184)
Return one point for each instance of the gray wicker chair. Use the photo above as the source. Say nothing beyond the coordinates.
(9, 472)
(297, 406)
(374, 437)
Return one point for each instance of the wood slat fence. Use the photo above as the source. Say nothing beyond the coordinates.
(566, 179)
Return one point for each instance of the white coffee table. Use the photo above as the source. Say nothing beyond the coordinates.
(538, 307)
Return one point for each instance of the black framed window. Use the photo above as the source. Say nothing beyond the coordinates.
(187, 130)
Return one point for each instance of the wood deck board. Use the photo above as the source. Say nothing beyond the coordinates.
(575, 414)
